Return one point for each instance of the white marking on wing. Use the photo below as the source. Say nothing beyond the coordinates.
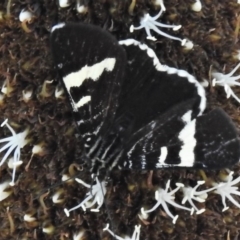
(108, 148)
(149, 51)
(86, 134)
(82, 101)
(98, 128)
(129, 153)
(189, 142)
(59, 25)
(80, 122)
(94, 146)
(143, 161)
(193, 80)
(163, 155)
(186, 136)
(130, 164)
(76, 79)
(116, 159)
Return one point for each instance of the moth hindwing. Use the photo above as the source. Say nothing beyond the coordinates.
(132, 112)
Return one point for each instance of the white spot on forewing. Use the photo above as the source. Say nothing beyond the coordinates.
(187, 116)
(76, 79)
(80, 122)
(83, 101)
(188, 140)
(60, 25)
(163, 155)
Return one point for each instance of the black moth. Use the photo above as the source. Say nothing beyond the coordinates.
(134, 113)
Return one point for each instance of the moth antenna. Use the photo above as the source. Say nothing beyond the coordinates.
(55, 185)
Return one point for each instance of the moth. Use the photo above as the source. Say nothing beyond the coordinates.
(132, 112)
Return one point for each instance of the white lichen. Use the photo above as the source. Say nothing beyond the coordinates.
(13, 143)
(135, 236)
(94, 196)
(7, 87)
(188, 45)
(59, 92)
(163, 197)
(160, 3)
(57, 197)
(191, 194)
(226, 189)
(47, 227)
(143, 215)
(150, 23)
(197, 6)
(204, 83)
(27, 94)
(227, 81)
(81, 8)
(67, 179)
(64, 3)
(12, 164)
(29, 218)
(4, 88)
(38, 149)
(79, 235)
(25, 16)
(236, 55)
(45, 91)
(4, 193)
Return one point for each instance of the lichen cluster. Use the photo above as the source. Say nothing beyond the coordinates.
(32, 99)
